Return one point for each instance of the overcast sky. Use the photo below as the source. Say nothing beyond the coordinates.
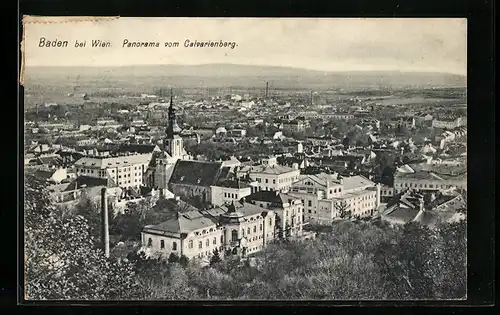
(322, 44)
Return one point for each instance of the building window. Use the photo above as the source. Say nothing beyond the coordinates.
(190, 244)
(234, 235)
(267, 181)
(222, 239)
(207, 243)
(260, 227)
(274, 181)
(162, 244)
(270, 222)
(255, 229)
(150, 242)
(200, 244)
(215, 240)
(309, 203)
(248, 230)
(174, 246)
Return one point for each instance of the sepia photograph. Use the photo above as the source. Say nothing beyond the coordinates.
(240, 159)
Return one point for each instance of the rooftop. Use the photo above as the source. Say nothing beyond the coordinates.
(403, 214)
(231, 183)
(197, 173)
(269, 169)
(245, 208)
(269, 196)
(183, 223)
(422, 175)
(103, 162)
(354, 182)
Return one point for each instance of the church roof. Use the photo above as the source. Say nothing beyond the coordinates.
(196, 173)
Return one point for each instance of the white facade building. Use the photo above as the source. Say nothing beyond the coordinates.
(125, 170)
(240, 228)
(325, 196)
(270, 176)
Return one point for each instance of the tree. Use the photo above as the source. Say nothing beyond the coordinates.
(347, 141)
(450, 255)
(173, 258)
(215, 259)
(343, 210)
(183, 260)
(408, 264)
(61, 261)
(89, 210)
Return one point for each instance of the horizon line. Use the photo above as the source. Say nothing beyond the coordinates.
(238, 64)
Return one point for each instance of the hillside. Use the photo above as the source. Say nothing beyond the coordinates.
(217, 75)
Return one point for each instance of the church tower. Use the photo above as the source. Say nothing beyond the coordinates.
(173, 150)
(173, 142)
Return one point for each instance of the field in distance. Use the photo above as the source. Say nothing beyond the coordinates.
(54, 84)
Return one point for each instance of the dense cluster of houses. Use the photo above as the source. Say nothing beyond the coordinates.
(238, 205)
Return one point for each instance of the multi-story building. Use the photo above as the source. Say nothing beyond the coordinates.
(294, 125)
(228, 191)
(56, 126)
(107, 124)
(269, 175)
(308, 114)
(338, 116)
(449, 123)
(428, 181)
(289, 211)
(125, 170)
(386, 192)
(407, 122)
(85, 142)
(329, 196)
(238, 228)
(238, 133)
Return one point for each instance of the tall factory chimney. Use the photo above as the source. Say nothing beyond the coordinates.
(104, 222)
(267, 89)
(312, 103)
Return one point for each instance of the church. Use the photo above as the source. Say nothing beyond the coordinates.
(174, 172)
(172, 150)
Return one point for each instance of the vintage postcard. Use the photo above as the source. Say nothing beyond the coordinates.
(244, 158)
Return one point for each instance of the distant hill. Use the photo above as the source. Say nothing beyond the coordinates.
(215, 75)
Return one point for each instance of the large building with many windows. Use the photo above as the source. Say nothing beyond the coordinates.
(126, 170)
(326, 197)
(289, 211)
(270, 175)
(428, 181)
(238, 228)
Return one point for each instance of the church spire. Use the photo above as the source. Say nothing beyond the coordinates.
(172, 128)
